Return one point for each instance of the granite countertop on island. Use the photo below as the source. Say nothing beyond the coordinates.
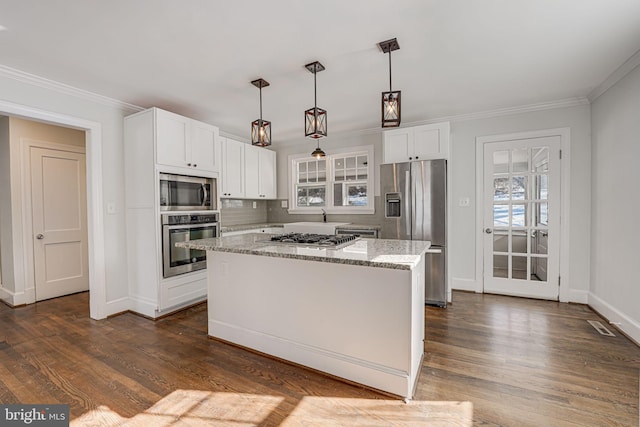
(383, 253)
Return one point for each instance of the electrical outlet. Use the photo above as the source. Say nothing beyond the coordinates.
(284, 204)
(255, 204)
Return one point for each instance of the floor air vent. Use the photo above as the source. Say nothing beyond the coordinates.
(600, 328)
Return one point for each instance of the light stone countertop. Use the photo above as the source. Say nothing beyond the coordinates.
(383, 253)
(243, 227)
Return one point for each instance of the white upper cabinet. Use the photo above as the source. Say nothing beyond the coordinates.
(232, 169)
(248, 172)
(186, 143)
(267, 173)
(425, 142)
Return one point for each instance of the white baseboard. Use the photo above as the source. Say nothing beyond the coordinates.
(12, 298)
(143, 307)
(118, 306)
(465, 285)
(628, 325)
(371, 374)
(578, 296)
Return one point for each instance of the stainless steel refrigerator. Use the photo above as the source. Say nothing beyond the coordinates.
(415, 208)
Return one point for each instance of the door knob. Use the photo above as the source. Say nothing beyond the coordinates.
(39, 236)
(488, 230)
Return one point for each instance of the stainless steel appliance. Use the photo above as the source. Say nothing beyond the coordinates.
(329, 241)
(415, 198)
(187, 193)
(183, 228)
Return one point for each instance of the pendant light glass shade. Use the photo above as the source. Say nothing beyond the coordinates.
(315, 119)
(391, 99)
(260, 129)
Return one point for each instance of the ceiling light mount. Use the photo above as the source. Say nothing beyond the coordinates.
(260, 129)
(390, 99)
(315, 119)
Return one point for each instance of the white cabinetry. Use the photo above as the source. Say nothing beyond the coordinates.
(259, 173)
(158, 141)
(186, 143)
(248, 172)
(416, 143)
(232, 169)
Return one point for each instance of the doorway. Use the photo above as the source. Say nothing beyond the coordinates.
(520, 209)
(95, 225)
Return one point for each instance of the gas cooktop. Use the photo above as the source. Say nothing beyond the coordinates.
(318, 240)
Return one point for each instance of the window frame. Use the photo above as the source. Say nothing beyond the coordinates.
(294, 159)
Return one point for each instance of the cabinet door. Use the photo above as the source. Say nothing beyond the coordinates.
(172, 136)
(268, 174)
(398, 145)
(252, 172)
(232, 169)
(431, 142)
(204, 152)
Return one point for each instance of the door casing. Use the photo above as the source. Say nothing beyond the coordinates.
(565, 173)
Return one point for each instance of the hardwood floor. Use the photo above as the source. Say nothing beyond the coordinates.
(490, 360)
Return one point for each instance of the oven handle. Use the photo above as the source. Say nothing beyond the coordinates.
(189, 226)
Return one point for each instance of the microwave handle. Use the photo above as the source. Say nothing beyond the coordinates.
(204, 194)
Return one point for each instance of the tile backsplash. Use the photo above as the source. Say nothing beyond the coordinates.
(239, 212)
(277, 214)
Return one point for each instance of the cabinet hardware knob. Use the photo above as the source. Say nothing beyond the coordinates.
(195, 166)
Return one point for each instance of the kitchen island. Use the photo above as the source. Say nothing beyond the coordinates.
(355, 312)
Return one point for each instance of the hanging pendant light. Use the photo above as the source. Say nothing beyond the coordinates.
(318, 153)
(315, 119)
(391, 99)
(260, 129)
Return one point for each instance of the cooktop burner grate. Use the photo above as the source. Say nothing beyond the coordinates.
(309, 239)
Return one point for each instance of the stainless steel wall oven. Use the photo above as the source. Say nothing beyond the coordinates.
(183, 228)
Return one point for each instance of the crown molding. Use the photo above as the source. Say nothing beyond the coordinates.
(32, 79)
(562, 103)
(628, 66)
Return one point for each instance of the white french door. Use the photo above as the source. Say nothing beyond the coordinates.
(521, 217)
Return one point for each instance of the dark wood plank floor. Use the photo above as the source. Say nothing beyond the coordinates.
(490, 360)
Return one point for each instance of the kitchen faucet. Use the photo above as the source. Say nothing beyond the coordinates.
(324, 215)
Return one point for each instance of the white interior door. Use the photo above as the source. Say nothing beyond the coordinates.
(59, 212)
(522, 217)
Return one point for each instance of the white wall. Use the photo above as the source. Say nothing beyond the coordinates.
(615, 252)
(45, 96)
(462, 238)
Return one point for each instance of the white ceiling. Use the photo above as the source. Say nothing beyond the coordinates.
(197, 57)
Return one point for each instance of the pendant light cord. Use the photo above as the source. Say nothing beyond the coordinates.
(315, 91)
(260, 103)
(390, 90)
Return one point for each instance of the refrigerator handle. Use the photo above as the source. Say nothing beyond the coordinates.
(407, 203)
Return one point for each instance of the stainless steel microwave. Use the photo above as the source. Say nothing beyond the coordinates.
(187, 193)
